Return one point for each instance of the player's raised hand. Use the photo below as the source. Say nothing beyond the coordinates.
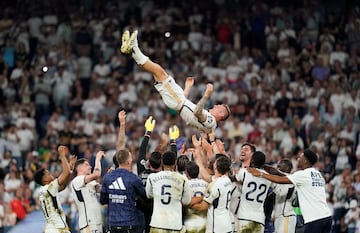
(100, 154)
(72, 162)
(174, 132)
(196, 142)
(209, 90)
(189, 82)
(63, 150)
(122, 116)
(150, 124)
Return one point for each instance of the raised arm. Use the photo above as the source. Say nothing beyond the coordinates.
(97, 169)
(174, 134)
(121, 134)
(66, 167)
(149, 127)
(188, 85)
(200, 159)
(198, 111)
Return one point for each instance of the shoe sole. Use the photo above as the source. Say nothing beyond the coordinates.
(125, 42)
(126, 46)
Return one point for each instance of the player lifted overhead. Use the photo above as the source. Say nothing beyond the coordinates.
(172, 94)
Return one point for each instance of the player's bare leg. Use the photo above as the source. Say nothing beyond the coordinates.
(130, 46)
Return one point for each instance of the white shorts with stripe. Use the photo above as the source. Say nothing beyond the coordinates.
(285, 224)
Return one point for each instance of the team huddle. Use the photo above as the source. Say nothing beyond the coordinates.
(193, 189)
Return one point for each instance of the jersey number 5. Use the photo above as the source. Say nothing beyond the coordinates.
(166, 195)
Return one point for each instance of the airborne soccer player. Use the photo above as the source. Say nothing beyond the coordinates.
(172, 94)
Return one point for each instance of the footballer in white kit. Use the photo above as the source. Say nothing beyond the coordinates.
(55, 220)
(172, 94)
(86, 200)
(195, 220)
(284, 214)
(170, 191)
(84, 189)
(251, 215)
(218, 215)
(285, 195)
(174, 97)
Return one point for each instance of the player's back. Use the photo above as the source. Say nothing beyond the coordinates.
(170, 190)
(195, 221)
(218, 196)
(284, 198)
(253, 193)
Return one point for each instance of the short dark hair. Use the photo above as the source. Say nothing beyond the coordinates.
(155, 159)
(310, 156)
(77, 163)
(168, 158)
(252, 146)
(192, 169)
(122, 156)
(223, 164)
(258, 159)
(285, 165)
(181, 162)
(38, 176)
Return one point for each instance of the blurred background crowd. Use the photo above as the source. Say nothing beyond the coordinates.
(289, 70)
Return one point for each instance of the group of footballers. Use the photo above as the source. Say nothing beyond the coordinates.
(198, 191)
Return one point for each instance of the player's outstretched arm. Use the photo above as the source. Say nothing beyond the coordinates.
(174, 134)
(200, 159)
(149, 128)
(66, 167)
(272, 178)
(198, 111)
(188, 85)
(97, 169)
(121, 134)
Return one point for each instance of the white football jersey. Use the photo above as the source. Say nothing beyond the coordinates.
(310, 187)
(51, 206)
(174, 98)
(195, 221)
(219, 218)
(169, 190)
(87, 202)
(285, 195)
(253, 193)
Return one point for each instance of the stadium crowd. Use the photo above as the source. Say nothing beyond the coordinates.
(289, 70)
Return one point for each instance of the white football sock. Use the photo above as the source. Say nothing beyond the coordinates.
(138, 56)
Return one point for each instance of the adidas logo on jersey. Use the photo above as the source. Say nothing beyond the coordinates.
(117, 184)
